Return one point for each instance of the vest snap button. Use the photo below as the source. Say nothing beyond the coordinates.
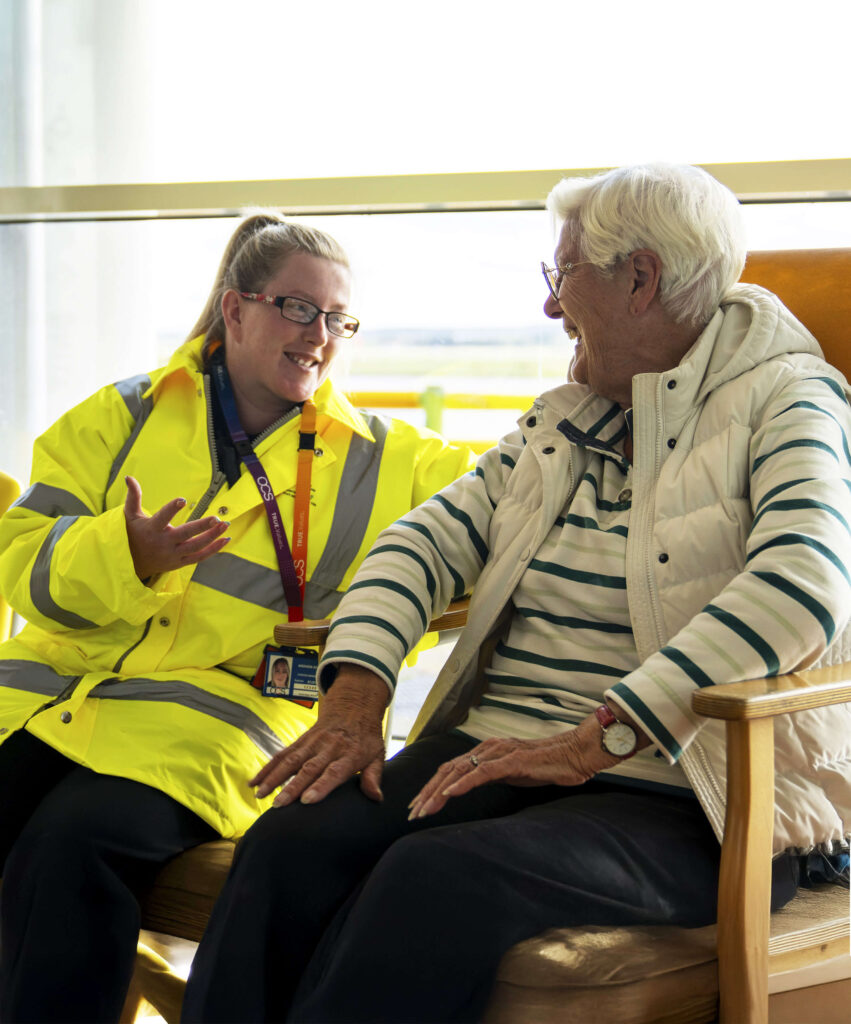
(222, 510)
(3, 731)
(164, 621)
(65, 717)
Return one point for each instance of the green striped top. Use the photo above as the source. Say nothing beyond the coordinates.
(570, 636)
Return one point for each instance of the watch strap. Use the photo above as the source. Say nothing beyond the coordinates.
(604, 716)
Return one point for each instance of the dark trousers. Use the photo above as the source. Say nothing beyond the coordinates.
(77, 849)
(345, 911)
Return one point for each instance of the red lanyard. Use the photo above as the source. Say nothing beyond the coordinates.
(292, 566)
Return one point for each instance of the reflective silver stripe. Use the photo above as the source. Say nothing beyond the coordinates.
(52, 502)
(131, 390)
(190, 696)
(248, 581)
(40, 580)
(355, 501)
(319, 601)
(33, 677)
(237, 577)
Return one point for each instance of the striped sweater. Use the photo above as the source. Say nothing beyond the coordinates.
(735, 560)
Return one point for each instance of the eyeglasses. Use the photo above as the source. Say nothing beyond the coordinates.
(300, 311)
(555, 275)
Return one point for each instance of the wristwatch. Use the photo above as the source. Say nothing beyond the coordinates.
(619, 739)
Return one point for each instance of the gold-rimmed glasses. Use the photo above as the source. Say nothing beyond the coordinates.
(555, 275)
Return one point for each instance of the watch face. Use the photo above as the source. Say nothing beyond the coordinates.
(619, 739)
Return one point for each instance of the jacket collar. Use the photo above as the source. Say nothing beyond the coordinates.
(330, 403)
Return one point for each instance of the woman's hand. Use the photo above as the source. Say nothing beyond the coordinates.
(157, 546)
(347, 739)
(567, 759)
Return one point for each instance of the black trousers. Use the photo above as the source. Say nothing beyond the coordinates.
(77, 849)
(345, 911)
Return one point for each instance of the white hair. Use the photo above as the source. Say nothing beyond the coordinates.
(691, 221)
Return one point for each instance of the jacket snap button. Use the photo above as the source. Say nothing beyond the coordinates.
(531, 421)
(65, 717)
(663, 558)
(222, 510)
(165, 621)
(672, 442)
(671, 385)
(548, 450)
(625, 494)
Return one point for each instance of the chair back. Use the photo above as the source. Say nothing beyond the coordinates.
(815, 285)
(9, 491)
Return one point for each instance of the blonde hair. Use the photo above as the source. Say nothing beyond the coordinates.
(690, 220)
(255, 251)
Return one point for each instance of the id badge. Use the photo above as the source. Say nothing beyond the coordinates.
(290, 672)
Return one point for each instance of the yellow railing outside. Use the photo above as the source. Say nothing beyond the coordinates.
(434, 400)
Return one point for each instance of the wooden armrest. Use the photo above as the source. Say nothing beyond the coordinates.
(766, 698)
(745, 881)
(314, 634)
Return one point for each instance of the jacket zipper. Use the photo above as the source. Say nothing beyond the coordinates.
(218, 478)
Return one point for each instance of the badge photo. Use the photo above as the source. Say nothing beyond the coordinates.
(290, 672)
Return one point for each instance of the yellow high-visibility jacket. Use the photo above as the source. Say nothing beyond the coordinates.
(152, 682)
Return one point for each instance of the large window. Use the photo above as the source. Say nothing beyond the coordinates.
(452, 300)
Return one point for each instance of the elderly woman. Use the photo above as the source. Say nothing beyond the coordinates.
(128, 718)
(675, 515)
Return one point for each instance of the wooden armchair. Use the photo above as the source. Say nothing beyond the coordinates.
(632, 975)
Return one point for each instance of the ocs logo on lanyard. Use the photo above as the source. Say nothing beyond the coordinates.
(290, 672)
(265, 488)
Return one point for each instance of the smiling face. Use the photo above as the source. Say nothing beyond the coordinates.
(595, 310)
(275, 363)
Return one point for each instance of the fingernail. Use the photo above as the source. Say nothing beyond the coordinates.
(181, 502)
(310, 797)
(262, 790)
(283, 799)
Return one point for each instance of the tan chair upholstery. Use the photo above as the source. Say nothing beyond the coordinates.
(671, 975)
